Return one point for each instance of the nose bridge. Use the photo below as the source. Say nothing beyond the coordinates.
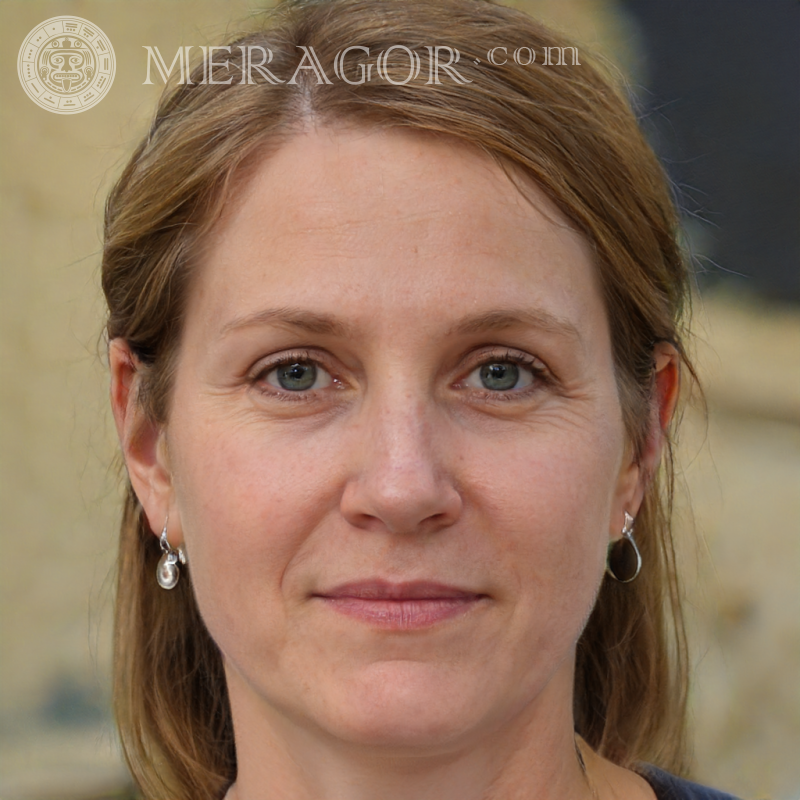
(401, 436)
(402, 478)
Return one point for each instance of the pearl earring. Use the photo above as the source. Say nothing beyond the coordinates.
(168, 572)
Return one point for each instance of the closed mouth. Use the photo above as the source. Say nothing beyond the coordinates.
(400, 606)
(412, 590)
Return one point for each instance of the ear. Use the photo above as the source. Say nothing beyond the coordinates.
(637, 473)
(143, 441)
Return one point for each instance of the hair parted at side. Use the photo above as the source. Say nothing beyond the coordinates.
(566, 127)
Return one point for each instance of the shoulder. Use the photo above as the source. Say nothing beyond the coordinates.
(668, 787)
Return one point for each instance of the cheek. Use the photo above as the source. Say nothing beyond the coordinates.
(248, 509)
(548, 502)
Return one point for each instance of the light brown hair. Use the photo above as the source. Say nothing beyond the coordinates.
(571, 131)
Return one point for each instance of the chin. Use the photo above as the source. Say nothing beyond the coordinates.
(408, 705)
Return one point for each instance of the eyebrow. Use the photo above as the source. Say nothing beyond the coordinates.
(327, 324)
(309, 321)
(502, 318)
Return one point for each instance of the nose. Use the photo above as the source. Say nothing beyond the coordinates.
(400, 482)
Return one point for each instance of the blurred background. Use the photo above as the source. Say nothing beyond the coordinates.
(716, 82)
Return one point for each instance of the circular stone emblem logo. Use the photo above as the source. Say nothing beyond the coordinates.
(66, 65)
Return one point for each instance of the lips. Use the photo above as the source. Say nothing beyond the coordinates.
(400, 606)
(383, 590)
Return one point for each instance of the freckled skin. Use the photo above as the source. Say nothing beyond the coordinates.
(402, 466)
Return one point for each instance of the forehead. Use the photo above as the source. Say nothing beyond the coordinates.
(408, 222)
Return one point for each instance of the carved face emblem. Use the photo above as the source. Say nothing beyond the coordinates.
(66, 64)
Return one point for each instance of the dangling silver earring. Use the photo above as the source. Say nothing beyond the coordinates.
(168, 572)
(623, 560)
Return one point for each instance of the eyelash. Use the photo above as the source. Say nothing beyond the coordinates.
(540, 373)
(258, 380)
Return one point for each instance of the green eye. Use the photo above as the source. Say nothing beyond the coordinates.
(503, 375)
(298, 376)
(499, 377)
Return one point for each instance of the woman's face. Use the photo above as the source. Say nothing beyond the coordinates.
(395, 451)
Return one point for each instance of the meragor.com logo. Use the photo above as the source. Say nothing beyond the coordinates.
(66, 65)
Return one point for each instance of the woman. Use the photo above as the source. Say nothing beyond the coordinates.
(395, 342)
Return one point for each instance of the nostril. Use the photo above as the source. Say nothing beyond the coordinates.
(402, 508)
